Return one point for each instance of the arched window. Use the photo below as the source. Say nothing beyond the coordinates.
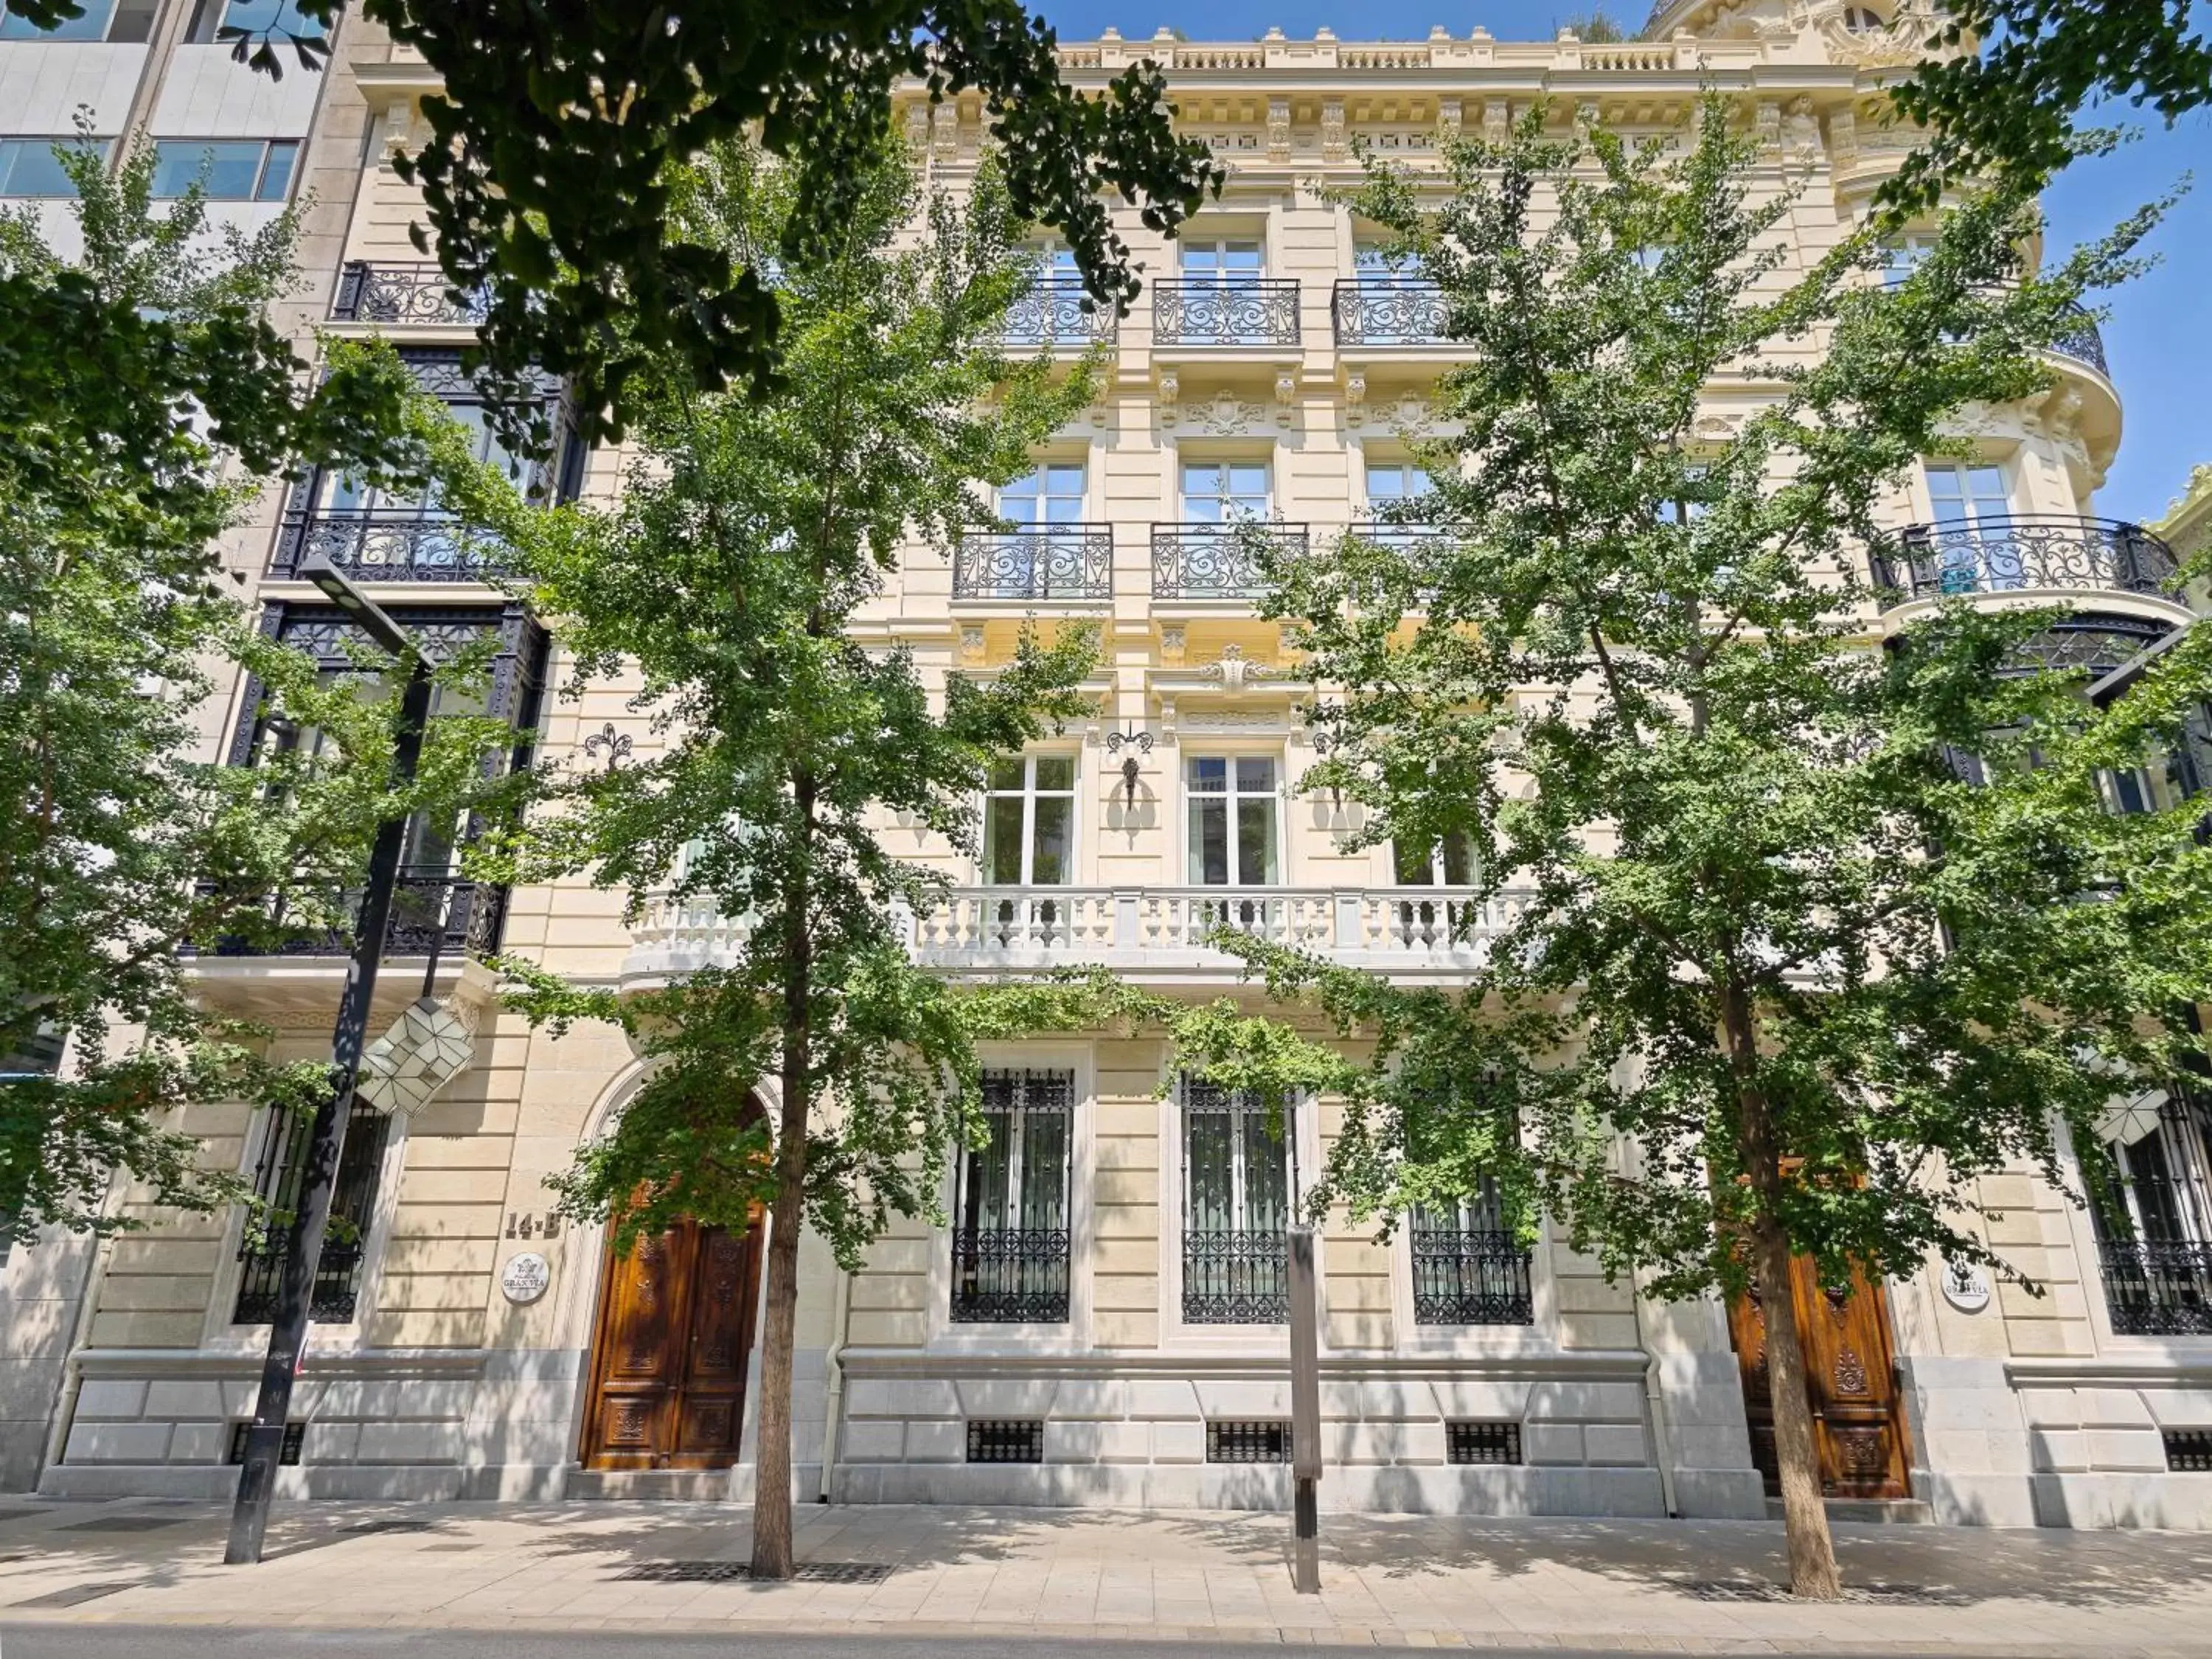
(1863, 20)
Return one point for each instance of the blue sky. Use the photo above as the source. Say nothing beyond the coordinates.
(2159, 337)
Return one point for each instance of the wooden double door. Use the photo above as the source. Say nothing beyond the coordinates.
(1858, 1426)
(668, 1361)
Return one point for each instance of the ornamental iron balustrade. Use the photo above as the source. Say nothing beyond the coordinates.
(1013, 1276)
(1235, 1277)
(1219, 561)
(1257, 311)
(2161, 1288)
(388, 547)
(431, 913)
(1063, 561)
(1387, 311)
(406, 294)
(1059, 311)
(1470, 1276)
(2002, 555)
(2082, 341)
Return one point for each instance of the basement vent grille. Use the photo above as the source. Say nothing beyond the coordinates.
(1005, 1440)
(1247, 1443)
(288, 1450)
(1482, 1442)
(2189, 1451)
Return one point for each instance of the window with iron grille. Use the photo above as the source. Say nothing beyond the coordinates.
(288, 1450)
(1237, 1203)
(1247, 1443)
(2154, 1224)
(2189, 1451)
(1010, 1236)
(1482, 1442)
(336, 1290)
(1005, 1440)
(1469, 1267)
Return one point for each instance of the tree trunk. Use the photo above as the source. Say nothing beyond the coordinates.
(772, 1557)
(1813, 1573)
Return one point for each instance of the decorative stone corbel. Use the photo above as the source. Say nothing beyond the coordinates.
(1355, 399)
(1769, 123)
(1233, 672)
(1843, 138)
(1497, 121)
(1279, 128)
(1286, 394)
(1449, 113)
(971, 645)
(944, 130)
(1332, 130)
(1170, 388)
(1171, 645)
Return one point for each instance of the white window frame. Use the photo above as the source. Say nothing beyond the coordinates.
(1231, 796)
(1029, 794)
(1964, 470)
(1080, 465)
(1226, 493)
(1220, 246)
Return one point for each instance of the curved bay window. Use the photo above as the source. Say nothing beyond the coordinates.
(2154, 1225)
(1009, 1235)
(1469, 1267)
(1237, 1203)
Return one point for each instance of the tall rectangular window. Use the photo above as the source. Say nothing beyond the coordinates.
(2153, 1222)
(1230, 262)
(1010, 1238)
(335, 1292)
(1232, 820)
(1973, 542)
(1053, 493)
(1029, 822)
(1223, 492)
(1469, 1267)
(1236, 1202)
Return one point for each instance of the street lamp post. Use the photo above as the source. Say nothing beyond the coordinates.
(287, 1328)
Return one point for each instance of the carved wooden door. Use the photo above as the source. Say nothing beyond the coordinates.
(668, 1364)
(1858, 1427)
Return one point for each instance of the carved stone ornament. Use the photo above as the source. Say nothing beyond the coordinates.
(1171, 637)
(1497, 121)
(1170, 388)
(1804, 132)
(917, 127)
(1279, 128)
(1287, 396)
(1233, 672)
(971, 645)
(1225, 415)
(1355, 399)
(1769, 124)
(1843, 138)
(944, 125)
(1332, 130)
(1232, 719)
(1447, 117)
(1413, 416)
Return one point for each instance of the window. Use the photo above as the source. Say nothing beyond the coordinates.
(1901, 257)
(1232, 820)
(1229, 263)
(1446, 863)
(1688, 507)
(336, 1290)
(1372, 265)
(1863, 20)
(1029, 822)
(118, 22)
(1223, 492)
(1971, 506)
(28, 167)
(2154, 1225)
(1469, 1267)
(1053, 493)
(226, 169)
(341, 493)
(1389, 482)
(256, 17)
(1009, 1237)
(1056, 309)
(1236, 1202)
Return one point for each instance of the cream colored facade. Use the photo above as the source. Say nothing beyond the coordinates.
(1297, 400)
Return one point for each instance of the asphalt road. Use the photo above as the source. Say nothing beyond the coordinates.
(224, 1642)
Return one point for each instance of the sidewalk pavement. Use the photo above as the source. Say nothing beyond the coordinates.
(1089, 1576)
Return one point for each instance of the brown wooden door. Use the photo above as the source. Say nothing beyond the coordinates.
(1858, 1427)
(668, 1363)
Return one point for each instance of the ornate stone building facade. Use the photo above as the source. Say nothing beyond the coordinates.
(1102, 1322)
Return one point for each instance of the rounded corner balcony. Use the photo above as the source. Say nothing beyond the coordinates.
(2121, 564)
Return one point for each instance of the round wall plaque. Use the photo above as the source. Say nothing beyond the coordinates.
(525, 1277)
(1965, 1287)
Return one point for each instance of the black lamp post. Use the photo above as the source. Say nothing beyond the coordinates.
(287, 1328)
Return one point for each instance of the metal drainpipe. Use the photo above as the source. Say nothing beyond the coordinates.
(841, 1318)
(1655, 1408)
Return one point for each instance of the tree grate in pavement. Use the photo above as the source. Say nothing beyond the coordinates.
(391, 1526)
(723, 1572)
(68, 1596)
(1765, 1589)
(125, 1523)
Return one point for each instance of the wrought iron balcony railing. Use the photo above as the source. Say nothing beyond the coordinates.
(1057, 561)
(1387, 311)
(418, 294)
(1257, 311)
(2084, 341)
(1235, 1276)
(1470, 1276)
(431, 913)
(1010, 1276)
(1059, 311)
(1219, 560)
(1998, 556)
(2158, 1289)
(387, 547)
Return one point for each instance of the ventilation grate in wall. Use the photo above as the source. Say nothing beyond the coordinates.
(1247, 1443)
(2189, 1451)
(1005, 1440)
(1482, 1442)
(288, 1450)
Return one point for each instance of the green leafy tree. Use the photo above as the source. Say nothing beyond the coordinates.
(545, 174)
(1773, 943)
(748, 533)
(150, 382)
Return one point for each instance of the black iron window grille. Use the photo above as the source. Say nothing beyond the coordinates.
(1993, 553)
(295, 1435)
(266, 1244)
(416, 294)
(2189, 1451)
(1482, 1442)
(1055, 562)
(1236, 1204)
(2154, 1225)
(1469, 1267)
(1387, 311)
(1248, 1442)
(1010, 1236)
(1005, 1440)
(1235, 310)
(1220, 561)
